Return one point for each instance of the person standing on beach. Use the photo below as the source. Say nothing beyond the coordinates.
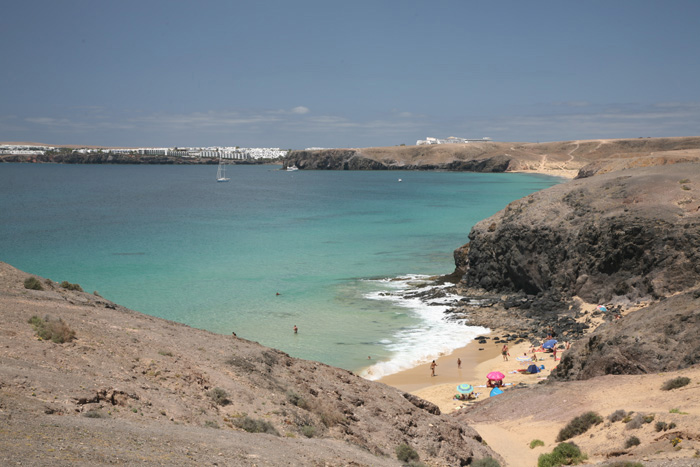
(459, 363)
(432, 368)
(504, 352)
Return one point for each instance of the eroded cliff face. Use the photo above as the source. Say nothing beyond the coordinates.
(622, 237)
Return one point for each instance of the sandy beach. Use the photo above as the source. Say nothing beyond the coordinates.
(477, 361)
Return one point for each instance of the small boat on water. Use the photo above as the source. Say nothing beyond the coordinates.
(221, 172)
(292, 168)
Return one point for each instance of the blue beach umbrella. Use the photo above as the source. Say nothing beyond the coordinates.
(549, 344)
(465, 388)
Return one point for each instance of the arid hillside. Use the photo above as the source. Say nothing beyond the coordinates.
(564, 158)
(130, 388)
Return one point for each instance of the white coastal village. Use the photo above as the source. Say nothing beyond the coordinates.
(213, 152)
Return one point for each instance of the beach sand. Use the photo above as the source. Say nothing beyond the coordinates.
(476, 364)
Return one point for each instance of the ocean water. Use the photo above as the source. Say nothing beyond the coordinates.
(332, 252)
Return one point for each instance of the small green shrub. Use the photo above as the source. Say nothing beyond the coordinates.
(219, 396)
(685, 180)
(308, 430)
(678, 411)
(486, 462)
(69, 286)
(211, 424)
(406, 453)
(255, 426)
(54, 330)
(33, 283)
(165, 353)
(536, 442)
(675, 383)
(661, 426)
(632, 441)
(579, 425)
(563, 454)
(617, 415)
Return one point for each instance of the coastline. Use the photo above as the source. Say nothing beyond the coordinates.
(476, 364)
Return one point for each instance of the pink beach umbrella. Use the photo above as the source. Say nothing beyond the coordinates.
(495, 376)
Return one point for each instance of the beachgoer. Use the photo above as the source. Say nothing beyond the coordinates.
(504, 352)
(369, 357)
(295, 329)
(432, 368)
(554, 352)
(459, 363)
(233, 334)
(489, 383)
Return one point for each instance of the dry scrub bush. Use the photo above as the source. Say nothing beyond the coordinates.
(51, 329)
(632, 441)
(219, 396)
(675, 383)
(617, 415)
(69, 286)
(406, 453)
(255, 426)
(33, 283)
(579, 425)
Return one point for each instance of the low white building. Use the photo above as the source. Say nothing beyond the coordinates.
(450, 140)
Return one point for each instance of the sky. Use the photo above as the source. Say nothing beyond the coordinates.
(328, 73)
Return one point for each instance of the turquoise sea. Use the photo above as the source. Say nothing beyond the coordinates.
(332, 252)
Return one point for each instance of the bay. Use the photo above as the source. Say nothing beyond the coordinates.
(268, 250)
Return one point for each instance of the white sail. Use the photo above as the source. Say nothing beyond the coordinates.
(221, 172)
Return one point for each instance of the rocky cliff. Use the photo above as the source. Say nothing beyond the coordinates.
(623, 237)
(565, 158)
(135, 389)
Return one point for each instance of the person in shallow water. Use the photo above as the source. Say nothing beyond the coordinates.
(295, 329)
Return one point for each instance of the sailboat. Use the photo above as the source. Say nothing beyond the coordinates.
(221, 172)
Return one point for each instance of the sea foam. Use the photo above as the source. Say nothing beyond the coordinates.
(435, 336)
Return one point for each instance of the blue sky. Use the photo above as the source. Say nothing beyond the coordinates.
(296, 74)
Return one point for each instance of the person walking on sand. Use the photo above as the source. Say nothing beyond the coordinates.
(459, 363)
(295, 329)
(432, 368)
(504, 352)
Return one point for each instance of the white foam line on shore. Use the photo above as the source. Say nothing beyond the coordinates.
(433, 337)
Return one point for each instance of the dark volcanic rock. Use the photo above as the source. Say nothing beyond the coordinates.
(624, 236)
(664, 336)
(352, 159)
(332, 159)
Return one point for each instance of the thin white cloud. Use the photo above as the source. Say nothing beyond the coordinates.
(300, 110)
